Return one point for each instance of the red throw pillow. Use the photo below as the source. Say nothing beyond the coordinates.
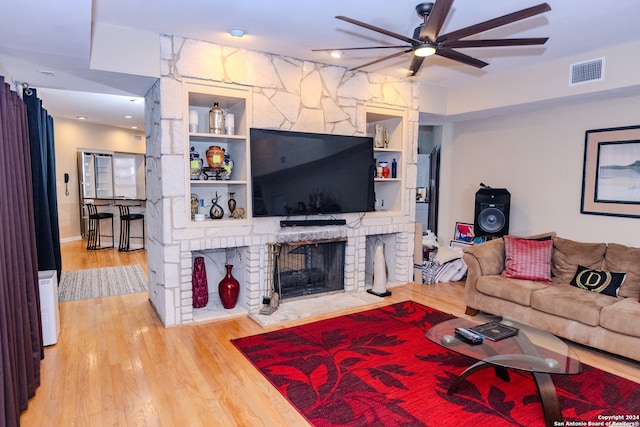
(527, 259)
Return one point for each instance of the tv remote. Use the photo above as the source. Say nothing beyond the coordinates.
(468, 336)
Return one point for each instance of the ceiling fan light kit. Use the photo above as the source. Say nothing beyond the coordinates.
(424, 51)
(427, 41)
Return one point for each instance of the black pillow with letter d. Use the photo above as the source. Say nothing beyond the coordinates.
(603, 282)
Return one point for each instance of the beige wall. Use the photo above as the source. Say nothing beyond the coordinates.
(538, 157)
(69, 136)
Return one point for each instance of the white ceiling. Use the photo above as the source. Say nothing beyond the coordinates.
(55, 36)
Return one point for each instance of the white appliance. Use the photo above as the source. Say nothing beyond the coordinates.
(49, 306)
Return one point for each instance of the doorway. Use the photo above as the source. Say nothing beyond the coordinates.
(428, 177)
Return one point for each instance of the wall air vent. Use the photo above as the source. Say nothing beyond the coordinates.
(588, 71)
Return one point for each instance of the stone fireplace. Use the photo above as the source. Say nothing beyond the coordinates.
(285, 93)
(301, 269)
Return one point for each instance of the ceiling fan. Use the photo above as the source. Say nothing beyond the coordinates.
(426, 40)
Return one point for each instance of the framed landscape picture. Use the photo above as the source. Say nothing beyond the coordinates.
(611, 174)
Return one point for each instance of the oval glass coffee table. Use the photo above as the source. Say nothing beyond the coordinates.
(531, 350)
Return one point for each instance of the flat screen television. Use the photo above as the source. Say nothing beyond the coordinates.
(299, 173)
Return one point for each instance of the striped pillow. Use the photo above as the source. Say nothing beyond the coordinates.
(527, 259)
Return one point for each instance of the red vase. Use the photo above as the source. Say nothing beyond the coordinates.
(199, 285)
(229, 288)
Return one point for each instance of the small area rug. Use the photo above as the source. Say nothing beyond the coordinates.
(376, 368)
(101, 282)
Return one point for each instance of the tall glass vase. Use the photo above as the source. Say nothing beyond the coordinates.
(199, 284)
(229, 289)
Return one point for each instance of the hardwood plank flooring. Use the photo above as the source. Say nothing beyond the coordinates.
(115, 364)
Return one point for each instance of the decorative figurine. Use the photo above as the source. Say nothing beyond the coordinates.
(216, 211)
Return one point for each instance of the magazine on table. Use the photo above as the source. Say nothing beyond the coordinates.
(495, 331)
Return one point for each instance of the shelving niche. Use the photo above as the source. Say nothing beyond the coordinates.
(235, 100)
(389, 190)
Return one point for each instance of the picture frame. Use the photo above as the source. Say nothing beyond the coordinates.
(611, 172)
(464, 232)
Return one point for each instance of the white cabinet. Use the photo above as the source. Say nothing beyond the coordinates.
(235, 101)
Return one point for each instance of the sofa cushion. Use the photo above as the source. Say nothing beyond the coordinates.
(571, 303)
(603, 282)
(619, 317)
(490, 255)
(568, 254)
(625, 259)
(527, 259)
(514, 290)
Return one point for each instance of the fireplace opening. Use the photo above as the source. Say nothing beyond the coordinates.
(309, 268)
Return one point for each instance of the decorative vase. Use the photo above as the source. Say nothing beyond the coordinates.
(199, 283)
(232, 204)
(379, 271)
(216, 119)
(195, 164)
(378, 136)
(228, 289)
(385, 169)
(215, 157)
(227, 164)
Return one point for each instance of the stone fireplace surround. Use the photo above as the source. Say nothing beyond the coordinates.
(287, 94)
(249, 255)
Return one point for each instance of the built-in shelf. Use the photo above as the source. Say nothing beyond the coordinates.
(388, 190)
(199, 99)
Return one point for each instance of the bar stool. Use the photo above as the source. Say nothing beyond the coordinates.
(94, 234)
(125, 229)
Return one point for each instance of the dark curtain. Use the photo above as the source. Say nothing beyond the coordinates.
(20, 333)
(43, 167)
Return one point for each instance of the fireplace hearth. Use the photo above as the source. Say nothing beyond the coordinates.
(301, 269)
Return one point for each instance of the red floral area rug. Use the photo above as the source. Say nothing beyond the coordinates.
(377, 368)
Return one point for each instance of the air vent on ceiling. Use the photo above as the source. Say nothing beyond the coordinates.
(588, 71)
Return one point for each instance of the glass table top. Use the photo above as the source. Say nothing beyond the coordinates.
(532, 349)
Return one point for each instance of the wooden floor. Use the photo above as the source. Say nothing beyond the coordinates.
(116, 365)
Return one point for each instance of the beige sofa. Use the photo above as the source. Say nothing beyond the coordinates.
(604, 322)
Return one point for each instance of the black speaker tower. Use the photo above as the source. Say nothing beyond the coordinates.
(491, 217)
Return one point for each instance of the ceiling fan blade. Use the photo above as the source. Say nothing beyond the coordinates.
(496, 42)
(379, 30)
(416, 63)
(384, 58)
(436, 18)
(361, 48)
(461, 57)
(494, 23)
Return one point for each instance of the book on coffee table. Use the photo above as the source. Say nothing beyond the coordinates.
(495, 331)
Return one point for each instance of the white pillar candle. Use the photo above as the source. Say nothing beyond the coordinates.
(193, 120)
(229, 124)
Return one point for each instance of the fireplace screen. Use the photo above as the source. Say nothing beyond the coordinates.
(309, 268)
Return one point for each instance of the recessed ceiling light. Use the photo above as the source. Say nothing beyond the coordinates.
(134, 127)
(128, 117)
(336, 54)
(81, 118)
(237, 32)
